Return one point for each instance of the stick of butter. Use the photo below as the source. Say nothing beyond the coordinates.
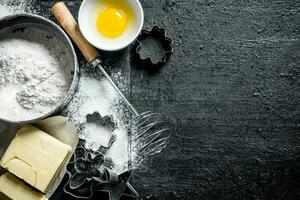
(12, 188)
(35, 157)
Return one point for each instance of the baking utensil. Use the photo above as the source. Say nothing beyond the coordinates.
(87, 20)
(118, 189)
(84, 171)
(106, 122)
(159, 43)
(148, 136)
(15, 22)
(86, 174)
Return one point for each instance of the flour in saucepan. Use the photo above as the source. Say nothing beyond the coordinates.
(34, 74)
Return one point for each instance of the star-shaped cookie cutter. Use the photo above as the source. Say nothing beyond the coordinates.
(121, 188)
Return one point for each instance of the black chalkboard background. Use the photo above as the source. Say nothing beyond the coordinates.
(230, 94)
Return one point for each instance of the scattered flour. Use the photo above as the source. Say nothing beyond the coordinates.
(119, 151)
(34, 76)
(96, 94)
(103, 138)
(93, 95)
(4, 11)
(8, 7)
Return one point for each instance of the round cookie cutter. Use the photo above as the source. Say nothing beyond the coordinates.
(15, 22)
(148, 62)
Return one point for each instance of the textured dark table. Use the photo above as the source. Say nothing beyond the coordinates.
(230, 94)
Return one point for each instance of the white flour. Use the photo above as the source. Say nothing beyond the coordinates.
(4, 11)
(34, 76)
(8, 7)
(96, 94)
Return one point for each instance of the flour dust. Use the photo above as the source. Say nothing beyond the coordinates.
(95, 94)
(8, 7)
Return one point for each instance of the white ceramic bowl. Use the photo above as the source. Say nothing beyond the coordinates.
(87, 18)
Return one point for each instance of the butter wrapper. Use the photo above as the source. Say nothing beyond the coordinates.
(58, 127)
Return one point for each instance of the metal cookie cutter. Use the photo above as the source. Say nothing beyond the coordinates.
(106, 122)
(118, 189)
(87, 176)
(84, 171)
(145, 43)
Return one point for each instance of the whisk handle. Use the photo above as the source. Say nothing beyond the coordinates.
(66, 19)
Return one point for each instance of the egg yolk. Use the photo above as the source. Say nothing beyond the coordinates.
(112, 22)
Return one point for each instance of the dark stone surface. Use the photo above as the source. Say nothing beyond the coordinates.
(230, 94)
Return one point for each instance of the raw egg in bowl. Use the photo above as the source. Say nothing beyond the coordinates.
(110, 24)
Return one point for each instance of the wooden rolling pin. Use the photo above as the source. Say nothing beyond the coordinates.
(65, 18)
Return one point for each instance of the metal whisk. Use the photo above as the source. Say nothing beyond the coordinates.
(148, 137)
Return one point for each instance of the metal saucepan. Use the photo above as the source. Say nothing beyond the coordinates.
(15, 22)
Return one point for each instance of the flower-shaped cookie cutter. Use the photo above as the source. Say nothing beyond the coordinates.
(158, 34)
(106, 122)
